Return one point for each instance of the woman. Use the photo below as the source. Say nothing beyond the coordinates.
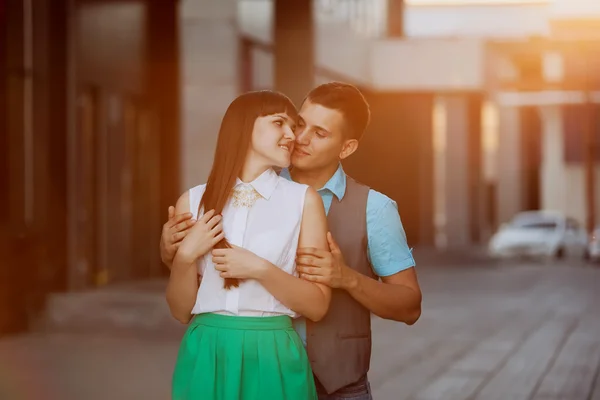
(240, 343)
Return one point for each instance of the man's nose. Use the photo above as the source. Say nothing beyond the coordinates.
(302, 138)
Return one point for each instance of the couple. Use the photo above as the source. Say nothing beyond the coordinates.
(278, 274)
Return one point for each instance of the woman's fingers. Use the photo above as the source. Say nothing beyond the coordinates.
(207, 216)
(214, 221)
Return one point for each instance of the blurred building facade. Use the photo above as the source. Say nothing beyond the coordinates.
(362, 43)
(89, 114)
(471, 122)
(110, 109)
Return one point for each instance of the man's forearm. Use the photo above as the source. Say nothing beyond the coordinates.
(388, 301)
(168, 261)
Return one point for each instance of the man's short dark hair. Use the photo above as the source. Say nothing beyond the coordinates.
(346, 99)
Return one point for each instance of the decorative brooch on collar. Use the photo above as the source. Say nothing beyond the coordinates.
(244, 196)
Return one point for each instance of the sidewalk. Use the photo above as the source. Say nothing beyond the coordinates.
(529, 332)
(141, 306)
(467, 256)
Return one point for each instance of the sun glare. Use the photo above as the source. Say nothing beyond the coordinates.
(469, 2)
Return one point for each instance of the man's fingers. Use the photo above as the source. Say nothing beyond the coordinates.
(312, 261)
(333, 246)
(171, 212)
(172, 249)
(179, 218)
(311, 251)
(185, 225)
(313, 278)
(309, 270)
(307, 260)
(214, 221)
(207, 216)
(179, 236)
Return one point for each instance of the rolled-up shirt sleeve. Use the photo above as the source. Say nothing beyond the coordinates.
(388, 250)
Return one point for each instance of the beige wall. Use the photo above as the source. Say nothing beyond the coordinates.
(509, 169)
(563, 185)
(209, 47)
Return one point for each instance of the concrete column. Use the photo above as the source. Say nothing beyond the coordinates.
(463, 172)
(456, 171)
(553, 194)
(209, 53)
(510, 185)
(294, 48)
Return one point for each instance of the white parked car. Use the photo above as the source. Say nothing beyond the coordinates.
(594, 247)
(540, 234)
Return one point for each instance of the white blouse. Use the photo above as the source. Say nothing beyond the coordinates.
(270, 228)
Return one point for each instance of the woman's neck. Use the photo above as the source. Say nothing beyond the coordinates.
(252, 170)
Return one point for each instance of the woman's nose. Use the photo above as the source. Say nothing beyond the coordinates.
(289, 134)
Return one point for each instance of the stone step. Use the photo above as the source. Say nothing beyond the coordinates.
(134, 308)
(125, 309)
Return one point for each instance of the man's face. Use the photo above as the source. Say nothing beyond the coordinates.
(320, 139)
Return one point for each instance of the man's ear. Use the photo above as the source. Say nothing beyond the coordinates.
(349, 147)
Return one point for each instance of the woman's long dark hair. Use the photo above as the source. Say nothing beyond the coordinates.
(233, 143)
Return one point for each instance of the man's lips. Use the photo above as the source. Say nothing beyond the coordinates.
(301, 152)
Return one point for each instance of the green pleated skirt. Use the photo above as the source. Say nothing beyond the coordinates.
(242, 358)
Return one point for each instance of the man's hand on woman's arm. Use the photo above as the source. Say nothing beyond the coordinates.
(174, 230)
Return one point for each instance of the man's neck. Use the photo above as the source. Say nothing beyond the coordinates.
(314, 178)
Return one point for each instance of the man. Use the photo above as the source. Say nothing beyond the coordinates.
(369, 265)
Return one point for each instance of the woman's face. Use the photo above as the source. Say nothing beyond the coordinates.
(273, 139)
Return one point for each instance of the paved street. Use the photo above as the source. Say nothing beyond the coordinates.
(488, 332)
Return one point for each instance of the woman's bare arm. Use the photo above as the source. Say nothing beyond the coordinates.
(183, 281)
(307, 298)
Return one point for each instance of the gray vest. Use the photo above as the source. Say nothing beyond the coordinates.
(339, 346)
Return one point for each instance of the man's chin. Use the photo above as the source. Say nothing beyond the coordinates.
(298, 161)
(298, 156)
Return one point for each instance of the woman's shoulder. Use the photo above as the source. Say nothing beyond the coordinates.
(197, 189)
(299, 195)
(194, 196)
(288, 184)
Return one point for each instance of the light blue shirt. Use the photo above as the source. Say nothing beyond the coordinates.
(387, 249)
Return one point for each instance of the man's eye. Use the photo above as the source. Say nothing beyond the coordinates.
(319, 134)
(279, 122)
